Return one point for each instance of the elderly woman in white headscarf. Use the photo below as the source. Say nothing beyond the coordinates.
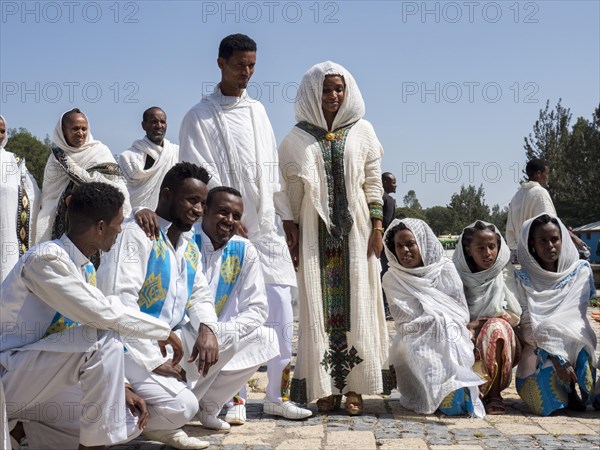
(432, 351)
(20, 201)
(76, 158)
(554, 288)
(481, 259)
(331, 165)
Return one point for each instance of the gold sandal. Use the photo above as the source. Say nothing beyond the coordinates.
(354, 404)
(329, 404)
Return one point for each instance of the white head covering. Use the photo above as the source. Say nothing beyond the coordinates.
(61, 142)
(310, 95)
(541, 278)
(555, 303)
(5, 139)
(58, 174)
(487, 293)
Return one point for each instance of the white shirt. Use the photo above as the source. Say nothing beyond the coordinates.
(50, 278)
(123, 273)
(246, 308)
(531, 200)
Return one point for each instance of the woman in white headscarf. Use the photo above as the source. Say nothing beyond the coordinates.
(432, 351)
(330, 162)
(76, 158)
(554, 288)
(481, 259)
(20, 201)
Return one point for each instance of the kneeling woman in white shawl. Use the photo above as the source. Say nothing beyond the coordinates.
(76, 158)
(432, 351)
(481, 259)
(554, 289)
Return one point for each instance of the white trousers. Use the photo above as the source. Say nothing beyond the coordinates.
(281, 320)
(34, 379)
(168, 410)
(173, 404)
(60, 427)
(223, 387)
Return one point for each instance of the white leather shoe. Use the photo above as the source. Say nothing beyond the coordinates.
(287, 410)
(212, 422)
(236, 415)
(176, 439)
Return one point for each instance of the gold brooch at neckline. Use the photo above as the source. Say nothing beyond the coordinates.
(330, 136)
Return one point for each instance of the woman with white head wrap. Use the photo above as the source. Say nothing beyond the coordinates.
(481, 259)
(432, 351)
(330, 162)
(554, 288)
(76, 158)
(20, 201)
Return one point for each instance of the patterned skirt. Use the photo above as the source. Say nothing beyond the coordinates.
(544, 392)
(491, 332)
(457, 403)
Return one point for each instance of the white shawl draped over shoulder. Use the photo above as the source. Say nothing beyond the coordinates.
(489, 293)
(555, 303)
(15, 177)
(144, 184)
(206, 139)
(56, 177)
(302, 165)
(432, 351)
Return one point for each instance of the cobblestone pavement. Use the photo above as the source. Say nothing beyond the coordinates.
(385, 425)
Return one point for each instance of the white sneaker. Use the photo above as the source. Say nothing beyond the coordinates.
(236, 415)
(176, 439)
(212, 422)
(287, 410)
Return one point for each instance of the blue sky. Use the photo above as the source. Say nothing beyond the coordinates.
(450, 87)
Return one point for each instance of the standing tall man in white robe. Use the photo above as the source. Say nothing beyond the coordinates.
(58, 331)
(229, 133)
(145, 164)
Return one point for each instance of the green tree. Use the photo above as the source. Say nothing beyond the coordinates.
(22, 143)
(574, 160)
(469, 205)
(404, 212)
(441, 220)
(411, 201)
(498, 217)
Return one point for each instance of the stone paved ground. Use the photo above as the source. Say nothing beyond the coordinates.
(385, 425)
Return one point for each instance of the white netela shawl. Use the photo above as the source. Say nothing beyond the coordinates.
(58, 176)
(488, 294)
(432, 351)
(144, 184)
(555, 303)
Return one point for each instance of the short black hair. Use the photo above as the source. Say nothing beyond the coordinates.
(214, 191)
(93, 202)
(236, 42)
(534, 165)
(388, 175)
(66, 116)
(389, 237)
(145, 114)
(467, 238)
(181, 171)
